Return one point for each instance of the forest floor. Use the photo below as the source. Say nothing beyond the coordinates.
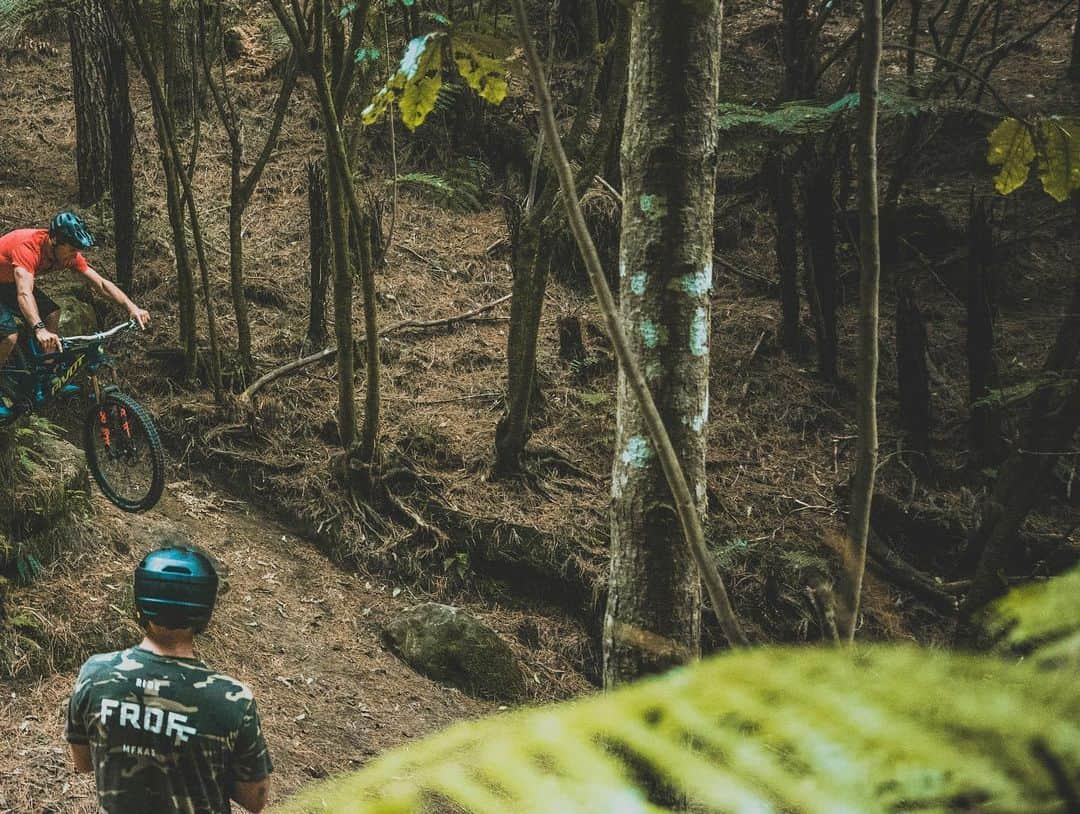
(301, 631)
(781, 441)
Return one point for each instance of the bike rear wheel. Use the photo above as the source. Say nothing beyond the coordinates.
(124, 452)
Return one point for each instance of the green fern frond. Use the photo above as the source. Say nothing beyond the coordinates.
(772, 730)
(1044, 618)
(458, 195)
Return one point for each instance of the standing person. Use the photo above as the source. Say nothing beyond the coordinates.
(27, 253)
(161, 731)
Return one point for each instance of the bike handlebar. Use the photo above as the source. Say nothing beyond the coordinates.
(68, 341)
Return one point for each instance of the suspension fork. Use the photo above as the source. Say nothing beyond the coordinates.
(103, 418)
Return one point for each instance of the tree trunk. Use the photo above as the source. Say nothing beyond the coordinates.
(185, 278)
(787, 253)
(91, 47)
(866, 452)
(369, 436)
(343, 297)
(531, 259)
(669, 176)
(985, 429)
(121, 146)
(912, 374)
(236, 272)
(319, 252)
(821, 252)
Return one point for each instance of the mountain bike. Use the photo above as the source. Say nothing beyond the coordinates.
(123, 449)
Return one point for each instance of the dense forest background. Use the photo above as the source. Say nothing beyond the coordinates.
(373, 326)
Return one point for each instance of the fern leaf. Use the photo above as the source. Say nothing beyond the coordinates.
(807, 730)
(415, 84)
(481, 60)
(1044, 618)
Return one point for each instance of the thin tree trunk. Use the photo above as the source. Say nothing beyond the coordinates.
(787, 253)
(869, 277)
(912, 374)
(986, 423)
(90, 51)
(821, 252)
(319, 251)
(369, 436)
(185, 279)
(343, 298)
(666, 269)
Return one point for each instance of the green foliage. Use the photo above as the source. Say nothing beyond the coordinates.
(1043, 618)
(481, 60)
(21, 17)
(796, 120)
(793, 730)
(1053, 142)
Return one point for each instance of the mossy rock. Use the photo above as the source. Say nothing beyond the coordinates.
(448, 644)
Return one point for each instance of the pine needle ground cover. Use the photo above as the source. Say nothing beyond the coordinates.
(808, 730)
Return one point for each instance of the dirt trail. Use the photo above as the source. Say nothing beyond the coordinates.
(300, 630)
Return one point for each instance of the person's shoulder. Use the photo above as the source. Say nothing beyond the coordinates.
(100, 664)
(226, 688)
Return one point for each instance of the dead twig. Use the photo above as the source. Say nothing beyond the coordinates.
(327, 353)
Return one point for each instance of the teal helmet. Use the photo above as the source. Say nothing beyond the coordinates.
(175, 588)
(67, 227)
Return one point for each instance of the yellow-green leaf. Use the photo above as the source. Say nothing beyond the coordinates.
(828, 731)
(1059, 160)
(482, 61)
(1012, 149)
(415, 84)
(422, 88)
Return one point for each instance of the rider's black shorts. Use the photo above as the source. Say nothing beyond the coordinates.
(9, 308)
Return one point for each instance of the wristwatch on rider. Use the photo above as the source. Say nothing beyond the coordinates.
(38, 326)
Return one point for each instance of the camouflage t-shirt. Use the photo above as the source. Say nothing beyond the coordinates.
(165, 734)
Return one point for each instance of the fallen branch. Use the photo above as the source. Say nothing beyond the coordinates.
(327, 353)
(893, 567)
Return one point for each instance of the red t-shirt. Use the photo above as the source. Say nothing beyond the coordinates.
(30, 249)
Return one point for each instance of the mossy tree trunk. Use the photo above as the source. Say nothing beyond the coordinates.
(669, 153)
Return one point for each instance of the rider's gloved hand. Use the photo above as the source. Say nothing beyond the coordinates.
(140, 315)
(50, 342)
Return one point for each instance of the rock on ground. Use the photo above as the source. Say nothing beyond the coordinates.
(448, 644)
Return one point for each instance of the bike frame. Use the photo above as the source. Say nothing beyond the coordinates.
(49, 373)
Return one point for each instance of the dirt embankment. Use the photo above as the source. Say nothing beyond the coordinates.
(300, 630)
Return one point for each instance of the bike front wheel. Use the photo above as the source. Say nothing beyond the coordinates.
(124, 452)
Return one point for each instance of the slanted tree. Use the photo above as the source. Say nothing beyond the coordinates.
(1074, 64)
(668, 171)
(985, 423)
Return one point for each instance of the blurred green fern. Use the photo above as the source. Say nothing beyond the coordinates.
(18, 18)
(773, 730)
(1041, 620)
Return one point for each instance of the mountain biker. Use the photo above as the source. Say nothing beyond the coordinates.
(26, 253)
(162, 731)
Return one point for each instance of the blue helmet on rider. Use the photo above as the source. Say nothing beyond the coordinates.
(175, 588)
(69, 228)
